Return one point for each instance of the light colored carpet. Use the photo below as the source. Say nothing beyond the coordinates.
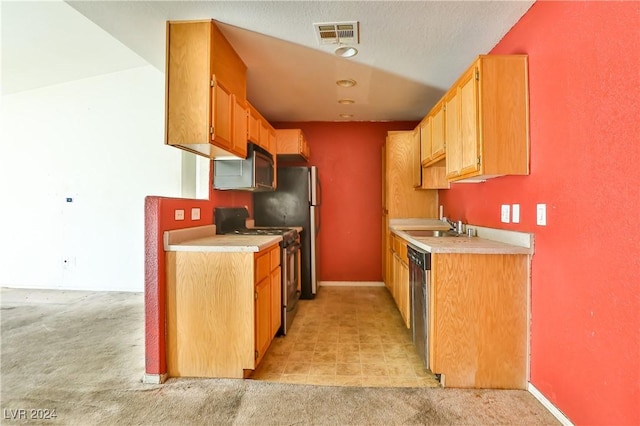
(81, 354)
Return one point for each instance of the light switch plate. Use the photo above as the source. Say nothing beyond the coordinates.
(195, 213)
(515, 213)
(179, 214)
(541, 214)
(504, 213)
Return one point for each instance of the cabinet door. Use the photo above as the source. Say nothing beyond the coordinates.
(437, 133)
(254, 125)
(264, 134)
(416, 166)
(276, 301)
(469, 141)
(273, 141)
(240, 123)
(425, 139)
(263, 317)
(452, 133)
(221, 115)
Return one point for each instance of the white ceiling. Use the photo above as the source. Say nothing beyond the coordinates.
(410, 52)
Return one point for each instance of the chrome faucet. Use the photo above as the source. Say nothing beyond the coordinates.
(454, 226)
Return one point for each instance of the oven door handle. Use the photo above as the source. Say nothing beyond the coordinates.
(293, 247)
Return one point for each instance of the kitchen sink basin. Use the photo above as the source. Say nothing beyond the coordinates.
(430, 233)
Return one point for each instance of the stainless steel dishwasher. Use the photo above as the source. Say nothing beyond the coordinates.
(419, 271)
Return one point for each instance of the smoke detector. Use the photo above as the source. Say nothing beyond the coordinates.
(328, 33)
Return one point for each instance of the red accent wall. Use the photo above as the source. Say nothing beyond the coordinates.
(584, 71)
(349, 161)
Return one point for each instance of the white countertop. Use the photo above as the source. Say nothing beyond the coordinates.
(460, 244)
(204, 239)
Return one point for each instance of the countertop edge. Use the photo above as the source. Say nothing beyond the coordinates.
(439, 245)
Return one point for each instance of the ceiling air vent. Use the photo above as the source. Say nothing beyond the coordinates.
(337, 32)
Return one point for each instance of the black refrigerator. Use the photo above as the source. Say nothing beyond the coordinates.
(295, 202)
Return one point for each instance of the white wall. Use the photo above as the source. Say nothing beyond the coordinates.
(99, 141)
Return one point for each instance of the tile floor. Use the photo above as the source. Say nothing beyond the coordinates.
(349, 336)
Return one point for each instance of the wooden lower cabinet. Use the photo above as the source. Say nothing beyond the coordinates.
(478, 320)
(398, 282)
(221, 313)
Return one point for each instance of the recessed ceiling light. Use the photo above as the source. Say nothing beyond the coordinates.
(346, 115)
(346, 83)
(346, 101)
(346, 51)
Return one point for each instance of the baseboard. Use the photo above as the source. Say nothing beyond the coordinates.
(351, 283)
(154, 379)
(549, 405)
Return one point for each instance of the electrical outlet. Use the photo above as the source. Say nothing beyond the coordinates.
(505, 213)
(195, 213)
(179, 214)
(541, 214)
(515, 213)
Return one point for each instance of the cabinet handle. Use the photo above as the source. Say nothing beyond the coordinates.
(255, 295)
(256, 354)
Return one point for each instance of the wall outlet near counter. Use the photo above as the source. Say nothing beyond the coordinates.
(515, 213)
(541, 214)
(195, 213)
(505, 213)
(179, 214)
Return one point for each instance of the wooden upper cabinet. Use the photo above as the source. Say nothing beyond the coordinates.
(260, 131)
(203, 73)
(401, 198)
(452, 133)
(222, 116)
(416, 166)
(240, 126)
(425, 140)
(254, 124)
(292, 145)
(432, 136)
(492, 119)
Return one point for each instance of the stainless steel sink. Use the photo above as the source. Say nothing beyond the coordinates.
(430, 233)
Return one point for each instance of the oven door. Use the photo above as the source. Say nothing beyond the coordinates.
(290, 284)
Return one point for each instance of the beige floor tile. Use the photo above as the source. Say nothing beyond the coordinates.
(352, 357)
(375, 348)
(348, 369)
(377, 369)
(325, 357)
(300, 356)
(296, 368)
(301, 346)
(367, 357)
(323, 369)
(346, 337)
(294, 378)
(326, 347)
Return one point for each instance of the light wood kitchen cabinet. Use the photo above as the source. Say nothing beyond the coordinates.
(432, 137)
(399, 198)
(292, 145)
(432, 150)
(491, 101)
(452, 133)
(254, 124)
(260, 131)
(221, 312)
(478, 320)
(203, 73)
(240, 127)
(416, 166)
(399, 286)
